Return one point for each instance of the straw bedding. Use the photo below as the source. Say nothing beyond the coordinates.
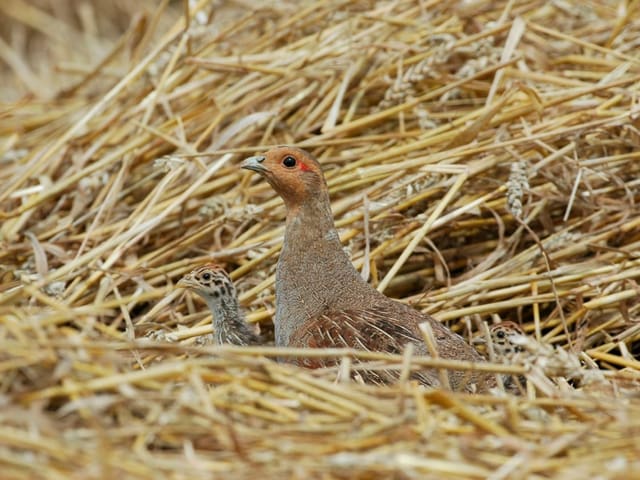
(482, 158)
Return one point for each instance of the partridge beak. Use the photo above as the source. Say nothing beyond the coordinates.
(185, 282)
(254, 164)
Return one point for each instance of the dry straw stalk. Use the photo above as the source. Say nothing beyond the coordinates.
(482, 159)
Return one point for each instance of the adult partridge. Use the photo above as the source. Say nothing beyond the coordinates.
(212, 283)
(321, 299)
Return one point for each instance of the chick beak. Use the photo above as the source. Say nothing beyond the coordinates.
(254, 164)
(185, 282)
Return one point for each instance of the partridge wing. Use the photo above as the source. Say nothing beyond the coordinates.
(369, 330)
(387, 328)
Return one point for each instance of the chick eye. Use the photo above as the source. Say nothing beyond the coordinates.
(289, 161)
(206, 276)
(500, 334)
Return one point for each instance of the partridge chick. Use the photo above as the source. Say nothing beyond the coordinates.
(213, 284)
(508, 339)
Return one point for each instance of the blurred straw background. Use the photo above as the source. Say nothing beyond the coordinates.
(482, 158)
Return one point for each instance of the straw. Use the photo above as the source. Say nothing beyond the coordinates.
(482, 164)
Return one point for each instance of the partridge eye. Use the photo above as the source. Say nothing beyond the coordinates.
(500, 334)
(289, 161)
(206, 276)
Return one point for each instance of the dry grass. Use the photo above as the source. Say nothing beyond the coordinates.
(482, 158)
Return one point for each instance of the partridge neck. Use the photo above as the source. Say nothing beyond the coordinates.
(225, 310)
(313, 262)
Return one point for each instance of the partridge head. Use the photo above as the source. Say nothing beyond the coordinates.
(294, 175)
(321, 299)
(507, 339)
(213, 284)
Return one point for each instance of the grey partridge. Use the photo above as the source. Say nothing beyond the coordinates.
(507, 339)
(212, 283)
(321, 299)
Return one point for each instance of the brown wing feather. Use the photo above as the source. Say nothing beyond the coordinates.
(383, 328)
